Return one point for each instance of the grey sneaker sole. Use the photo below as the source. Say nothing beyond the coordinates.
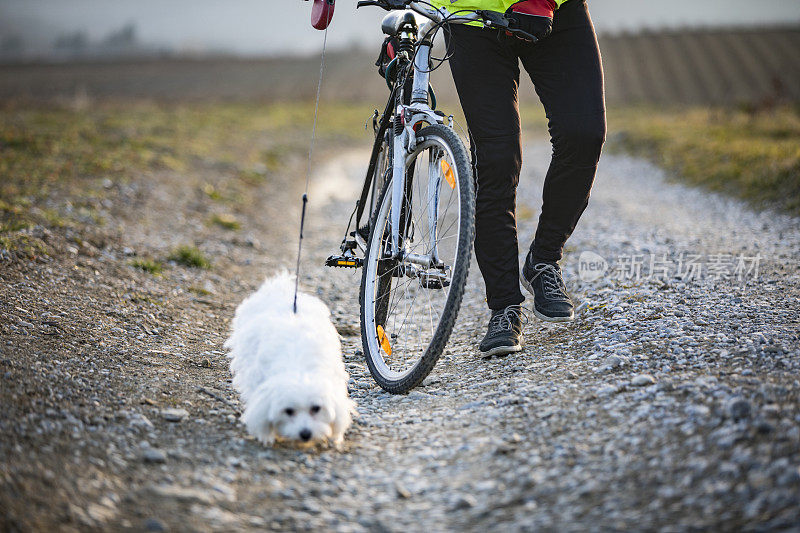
(501, 350)
(539, 315)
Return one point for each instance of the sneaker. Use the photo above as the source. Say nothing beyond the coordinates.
(550, 299)
(504, 335)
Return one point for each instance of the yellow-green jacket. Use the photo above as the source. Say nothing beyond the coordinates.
(491, 5)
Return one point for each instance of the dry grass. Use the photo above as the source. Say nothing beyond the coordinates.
(754, 155)
(57, 161)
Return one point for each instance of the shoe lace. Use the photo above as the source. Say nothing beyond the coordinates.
(552, 283)
(504, 321)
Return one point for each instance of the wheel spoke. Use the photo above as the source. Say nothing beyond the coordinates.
(411, 319)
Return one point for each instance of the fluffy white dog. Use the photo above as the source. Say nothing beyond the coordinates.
(288, 367)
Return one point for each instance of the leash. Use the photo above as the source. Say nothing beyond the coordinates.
(308, 171)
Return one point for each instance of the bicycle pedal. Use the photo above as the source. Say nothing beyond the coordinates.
(433, 281)
(344, 261)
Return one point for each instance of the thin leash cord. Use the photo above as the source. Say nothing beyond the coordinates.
(308, 172)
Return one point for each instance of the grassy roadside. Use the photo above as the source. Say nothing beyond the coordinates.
(754, 155)
(58, 161)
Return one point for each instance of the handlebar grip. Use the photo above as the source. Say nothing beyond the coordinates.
(388, 5)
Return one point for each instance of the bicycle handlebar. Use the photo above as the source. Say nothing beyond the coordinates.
(364, 3)
(490, 19)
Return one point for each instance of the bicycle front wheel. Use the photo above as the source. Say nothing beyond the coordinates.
(409, 302)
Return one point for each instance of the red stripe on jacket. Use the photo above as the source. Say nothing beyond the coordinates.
(542, 8)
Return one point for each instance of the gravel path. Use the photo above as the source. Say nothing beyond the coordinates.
(669, 404)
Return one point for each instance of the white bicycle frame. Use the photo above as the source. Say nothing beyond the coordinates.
(405, 143)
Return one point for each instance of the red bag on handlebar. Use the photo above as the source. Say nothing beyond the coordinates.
(322, 13)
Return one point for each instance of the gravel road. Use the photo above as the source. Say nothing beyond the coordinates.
(671, 403)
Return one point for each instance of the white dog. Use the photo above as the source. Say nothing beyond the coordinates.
(288, 367)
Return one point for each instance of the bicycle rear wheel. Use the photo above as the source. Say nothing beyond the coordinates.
(409, 303)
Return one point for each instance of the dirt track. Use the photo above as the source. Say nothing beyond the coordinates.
(667, 405)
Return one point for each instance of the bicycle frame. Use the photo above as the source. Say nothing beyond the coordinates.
(406, 119)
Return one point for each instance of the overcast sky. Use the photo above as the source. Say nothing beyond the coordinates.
(280, 26)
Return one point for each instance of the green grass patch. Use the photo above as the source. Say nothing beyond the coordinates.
(212, 192)
(256, 176)
(226, 221)
(148, 265)
(751, 154)
(200, 291)
(190, 256)
(14, 224)
(22, 244)
(137, 297)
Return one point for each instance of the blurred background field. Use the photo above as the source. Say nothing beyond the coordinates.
(711, 67)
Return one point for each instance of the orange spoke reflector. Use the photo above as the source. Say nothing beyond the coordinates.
(384, 340)
(447, 170)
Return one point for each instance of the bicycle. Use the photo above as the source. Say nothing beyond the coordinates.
(420, 198)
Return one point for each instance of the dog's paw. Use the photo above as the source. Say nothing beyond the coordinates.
(337, 441)
(267, 440)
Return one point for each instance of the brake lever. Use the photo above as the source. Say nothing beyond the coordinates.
(493, 19)
(525, 35)
(364, 3)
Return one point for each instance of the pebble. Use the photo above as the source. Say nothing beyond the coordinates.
(174, 414)
(402, 492)
(642, 380)
(154, 524)
(607, 390)
(738, 409)
(185, 494)
(154, 455)
(464, 501)
(698, 411)
(138, 420)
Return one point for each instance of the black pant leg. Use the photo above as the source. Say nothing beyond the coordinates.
(486, 75)
(567, 73)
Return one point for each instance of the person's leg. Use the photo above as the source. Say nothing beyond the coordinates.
(486, 76)
(567, 74)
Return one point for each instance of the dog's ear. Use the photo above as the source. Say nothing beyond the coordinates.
(262, 412)
(243, 346)
(343, 408)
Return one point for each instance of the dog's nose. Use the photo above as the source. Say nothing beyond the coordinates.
(305, 435)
